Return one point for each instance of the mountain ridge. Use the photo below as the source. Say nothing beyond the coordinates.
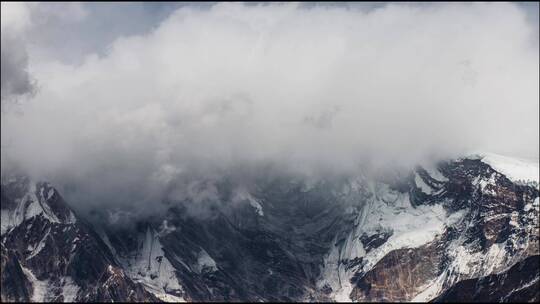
(353, 239)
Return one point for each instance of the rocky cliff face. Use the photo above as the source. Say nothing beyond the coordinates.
(49, 254)
(520, 283)
(491, 224)
(464, 225)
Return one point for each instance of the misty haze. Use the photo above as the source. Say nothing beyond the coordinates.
(290, 152)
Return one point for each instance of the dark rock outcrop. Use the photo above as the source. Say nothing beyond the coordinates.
(520, 283)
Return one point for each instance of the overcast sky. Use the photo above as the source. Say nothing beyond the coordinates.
(128, 96)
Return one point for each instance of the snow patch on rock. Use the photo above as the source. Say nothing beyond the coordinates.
(422, 185)
(434, 173)
(241, 194)
(515, 169)
(29, 206)
(205, 261)
(151, 268)
(40, 246)
(386, 211)
(69, 290)
(39, 288)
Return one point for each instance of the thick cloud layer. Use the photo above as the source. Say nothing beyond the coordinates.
(308, 89)
(15, 80)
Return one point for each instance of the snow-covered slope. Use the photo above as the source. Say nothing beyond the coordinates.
(470, 223)
(386, 221)
(515, 169)
(150, 267)
(37, 200)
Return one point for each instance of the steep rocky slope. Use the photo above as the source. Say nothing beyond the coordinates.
(49, 254)
(520, 283)
(481, 223)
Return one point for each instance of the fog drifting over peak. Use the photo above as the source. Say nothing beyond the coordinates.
(307, 89)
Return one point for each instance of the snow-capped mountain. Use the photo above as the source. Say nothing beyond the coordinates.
(463, 230)
(50, 254)
(460, 221)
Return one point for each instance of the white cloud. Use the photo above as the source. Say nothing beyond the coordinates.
(307, 88)
(14, 16)
(15, 82)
